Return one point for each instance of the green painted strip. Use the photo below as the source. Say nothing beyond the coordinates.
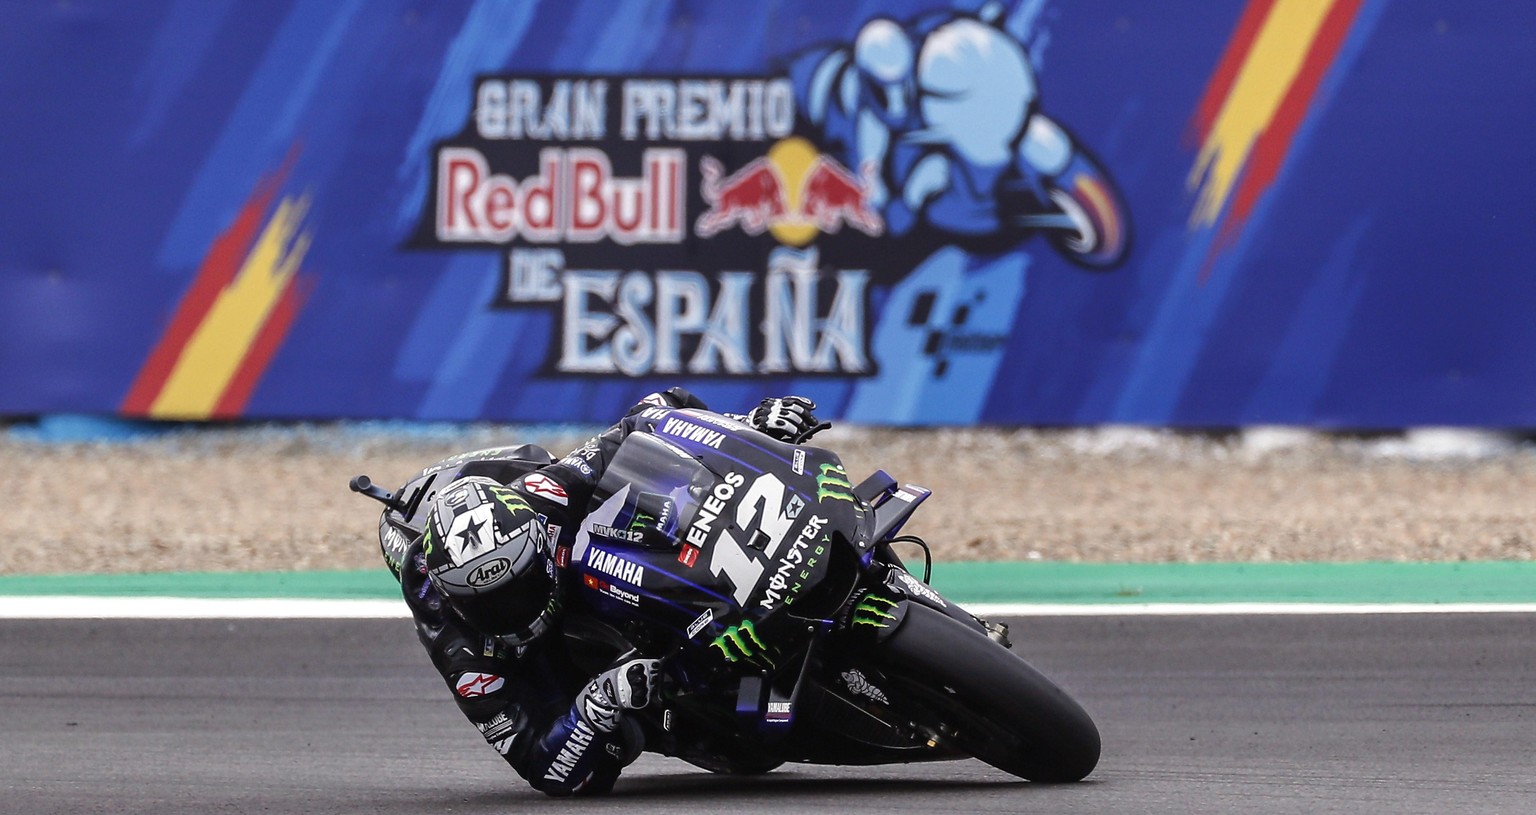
(1010, 582)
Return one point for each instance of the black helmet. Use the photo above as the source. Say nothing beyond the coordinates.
(488, 555)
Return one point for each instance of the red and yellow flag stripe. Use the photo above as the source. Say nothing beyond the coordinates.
(232, 319)
(1255, 103)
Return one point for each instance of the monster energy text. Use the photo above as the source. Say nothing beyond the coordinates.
(779, 584)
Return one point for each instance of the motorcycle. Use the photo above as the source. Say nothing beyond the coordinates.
(790, 628)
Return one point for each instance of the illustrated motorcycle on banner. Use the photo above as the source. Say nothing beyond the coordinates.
(788, 627)
(942, 115)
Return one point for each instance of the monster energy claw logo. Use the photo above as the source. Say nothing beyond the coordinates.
(510, 499)
(874, 611)
(832, 482)
(641, 521)
(740, 642)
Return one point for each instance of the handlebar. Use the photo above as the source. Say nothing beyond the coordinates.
(364, 485)
(811, 431)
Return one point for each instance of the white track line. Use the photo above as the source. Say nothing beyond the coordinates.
(195, 608)
(1212, 609)
(170, 608)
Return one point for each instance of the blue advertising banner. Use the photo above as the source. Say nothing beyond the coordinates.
(914, 212)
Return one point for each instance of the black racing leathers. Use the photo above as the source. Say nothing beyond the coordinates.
(522, 697)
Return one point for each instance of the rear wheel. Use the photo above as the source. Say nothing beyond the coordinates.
(986, 700)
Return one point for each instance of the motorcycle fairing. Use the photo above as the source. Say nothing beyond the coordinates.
(718, 518)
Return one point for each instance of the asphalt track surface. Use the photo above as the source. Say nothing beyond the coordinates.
(1253, 714)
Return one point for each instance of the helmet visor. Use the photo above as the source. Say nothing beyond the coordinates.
(512, 609)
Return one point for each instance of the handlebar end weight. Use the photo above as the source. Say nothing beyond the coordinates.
(363, 484)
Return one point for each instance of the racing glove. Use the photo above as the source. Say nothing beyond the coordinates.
(786, 418)
(629, 686)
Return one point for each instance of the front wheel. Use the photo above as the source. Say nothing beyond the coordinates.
(986, 700)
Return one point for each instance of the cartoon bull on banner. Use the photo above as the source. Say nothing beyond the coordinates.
(941, 113)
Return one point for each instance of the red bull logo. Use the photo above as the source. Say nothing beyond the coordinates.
(833, 196)
(752, 197)
(794, 192)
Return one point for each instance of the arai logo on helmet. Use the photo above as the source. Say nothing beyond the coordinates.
(489, 572)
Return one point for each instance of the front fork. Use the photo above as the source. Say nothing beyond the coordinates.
(876, 612)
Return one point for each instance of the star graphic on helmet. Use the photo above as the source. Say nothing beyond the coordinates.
(469, 535)
(472, 531)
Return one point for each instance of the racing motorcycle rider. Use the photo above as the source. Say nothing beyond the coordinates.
(484, 588)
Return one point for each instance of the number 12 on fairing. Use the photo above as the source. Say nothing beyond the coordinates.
(729, 558)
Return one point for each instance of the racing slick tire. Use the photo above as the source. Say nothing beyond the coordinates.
(986, 700)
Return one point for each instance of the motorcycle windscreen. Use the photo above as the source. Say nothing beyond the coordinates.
(658, 484)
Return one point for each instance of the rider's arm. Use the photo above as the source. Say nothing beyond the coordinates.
(1046, 148)
(519, 700)
(561, 491)
(576, 476)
